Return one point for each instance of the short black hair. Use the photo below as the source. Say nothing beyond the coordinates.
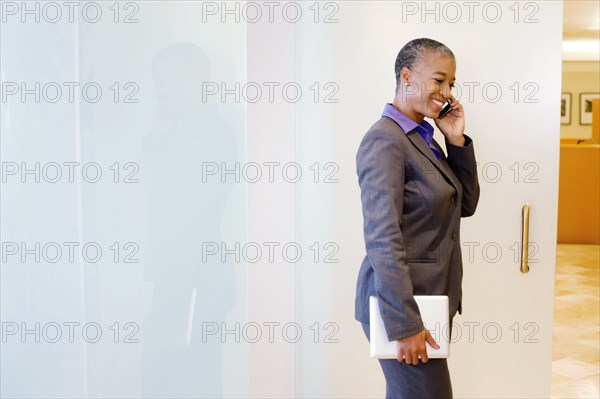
(412, 52)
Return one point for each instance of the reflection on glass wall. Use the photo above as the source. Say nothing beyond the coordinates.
(112, 208)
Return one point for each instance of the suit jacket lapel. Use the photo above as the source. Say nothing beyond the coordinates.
(422, 146)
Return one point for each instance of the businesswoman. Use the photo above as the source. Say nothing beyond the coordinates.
(413, 196)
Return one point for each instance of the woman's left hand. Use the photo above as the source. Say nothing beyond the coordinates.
(452, 125)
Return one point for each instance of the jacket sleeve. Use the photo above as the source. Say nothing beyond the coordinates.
(463, 164)
(380, 168)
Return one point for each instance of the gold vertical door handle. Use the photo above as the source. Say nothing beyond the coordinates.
(525, 238)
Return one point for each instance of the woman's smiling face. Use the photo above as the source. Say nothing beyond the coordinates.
(430, 82)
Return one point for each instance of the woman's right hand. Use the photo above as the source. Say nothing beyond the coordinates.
(413, 346)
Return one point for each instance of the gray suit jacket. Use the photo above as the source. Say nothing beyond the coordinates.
(412, 204)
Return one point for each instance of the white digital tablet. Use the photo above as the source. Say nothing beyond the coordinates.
(434, 313)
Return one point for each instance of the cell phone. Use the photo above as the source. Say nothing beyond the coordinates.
(445, 109)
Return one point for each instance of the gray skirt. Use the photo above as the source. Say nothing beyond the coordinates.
(426, 380)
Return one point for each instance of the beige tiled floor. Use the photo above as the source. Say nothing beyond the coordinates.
(576, 344)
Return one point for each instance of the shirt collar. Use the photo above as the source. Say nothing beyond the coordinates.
(407, 124)
(424, 129)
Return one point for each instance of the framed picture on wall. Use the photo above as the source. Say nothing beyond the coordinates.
(565, 109)
(585, 107)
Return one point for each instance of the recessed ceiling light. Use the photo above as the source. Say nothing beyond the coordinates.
(581, 50)
(585, 46)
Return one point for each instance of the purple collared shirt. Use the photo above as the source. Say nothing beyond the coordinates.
(407, 124)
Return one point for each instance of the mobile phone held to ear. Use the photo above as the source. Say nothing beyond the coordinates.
(445, 109)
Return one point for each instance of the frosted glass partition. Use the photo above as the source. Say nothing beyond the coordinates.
(113, 205)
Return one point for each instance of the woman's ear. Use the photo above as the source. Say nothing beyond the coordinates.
(405, 76)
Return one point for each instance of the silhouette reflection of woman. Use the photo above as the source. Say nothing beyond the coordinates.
(184, 212)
